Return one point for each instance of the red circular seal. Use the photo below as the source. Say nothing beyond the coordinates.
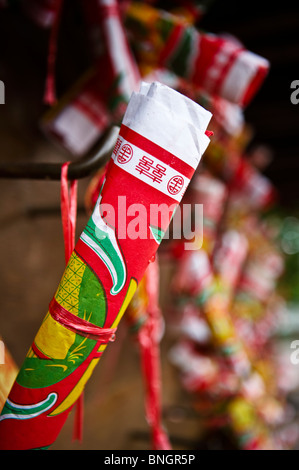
(175, 185)
(125, 154)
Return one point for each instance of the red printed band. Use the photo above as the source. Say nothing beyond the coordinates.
(156, 150)
(80, 326)
(151, 164)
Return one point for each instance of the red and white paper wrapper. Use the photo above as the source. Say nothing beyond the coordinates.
(81, 117)
(212, 194)
(260, 275)
(229, 257)
(250, 188)
(99, 98)
(219, 65)
(109, 43)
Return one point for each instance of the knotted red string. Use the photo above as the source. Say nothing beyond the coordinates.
(149, 338)
(50, 92)
(68, 211)
(68, 202)
(79, 325)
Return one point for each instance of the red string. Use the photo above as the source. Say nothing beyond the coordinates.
(209, 133)
(50, 92)
(79, 325)
(68, 202)
(68, 211)
(148, 338)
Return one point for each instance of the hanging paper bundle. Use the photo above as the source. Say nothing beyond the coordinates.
(211, 194)
(160, 144)
(250, 188)
(98, 100)
(110, 48)
(220, 65)
(202, 372)
(229, 257)
(82, 116)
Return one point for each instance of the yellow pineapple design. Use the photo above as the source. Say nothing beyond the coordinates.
(53, 339)
(67, 294)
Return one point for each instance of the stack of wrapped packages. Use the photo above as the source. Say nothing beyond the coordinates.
(224, 287)
(228, 305)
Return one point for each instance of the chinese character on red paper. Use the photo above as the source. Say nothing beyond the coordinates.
(125, 154)
(117, 146)
(175, 185)
(154, 172)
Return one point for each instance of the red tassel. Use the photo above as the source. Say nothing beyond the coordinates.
(68, 211)
(68, 201)
(50, 92)
(78, 420)
(148, 339)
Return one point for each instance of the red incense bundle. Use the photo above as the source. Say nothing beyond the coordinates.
(100, 97)
(220, 65)
(160, 144)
